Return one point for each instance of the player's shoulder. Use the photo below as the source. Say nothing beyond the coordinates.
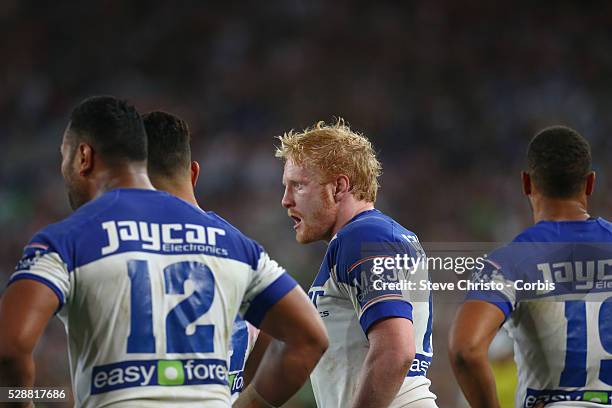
(370, 233)
(523, 247)
(222, 222)
(540, 232)
(605, 225)
(594, 228)
(78, 218)
(60, 237)
(142, 204)
(543, 237)
(83, 232)
(372, 226)
(234, 231)
(251, 247)
(117, 203)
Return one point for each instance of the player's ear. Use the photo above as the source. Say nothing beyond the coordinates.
(590, 183)
(526, 181)
(84, 158)
(195, 172)
(343, 187)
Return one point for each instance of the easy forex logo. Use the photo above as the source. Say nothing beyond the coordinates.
(548, 396)
(142, 373)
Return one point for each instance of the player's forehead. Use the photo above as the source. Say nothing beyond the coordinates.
(298, 172)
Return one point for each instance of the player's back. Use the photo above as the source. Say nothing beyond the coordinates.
(562, 325)
(151, 287)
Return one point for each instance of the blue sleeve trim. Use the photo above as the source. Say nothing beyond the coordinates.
(505, 307)
(268, 298)
(383, 310)
(47, 282)
(495, 298)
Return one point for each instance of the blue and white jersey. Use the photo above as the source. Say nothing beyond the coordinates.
(345, 294)
(554, 285)
(244, 337)
(149, 287)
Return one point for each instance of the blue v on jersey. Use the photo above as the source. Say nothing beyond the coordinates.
(149, 288)
(349, 303)
(243, 341)
(554, 286)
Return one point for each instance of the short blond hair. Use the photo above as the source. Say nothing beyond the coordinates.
(334, 150)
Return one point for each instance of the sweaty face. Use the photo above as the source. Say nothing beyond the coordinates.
(309, 203)
(75, 185)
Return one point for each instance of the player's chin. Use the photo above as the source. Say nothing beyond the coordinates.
(302, 237)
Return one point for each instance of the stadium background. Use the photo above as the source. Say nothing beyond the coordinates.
(449, 92)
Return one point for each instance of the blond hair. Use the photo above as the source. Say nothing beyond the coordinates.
(334, 150)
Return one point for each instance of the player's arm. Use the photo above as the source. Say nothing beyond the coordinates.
(255, 356)
(37, 289)
(472, 332)
(385, 317)
(300, 341)
(25, 309)
(389, 357)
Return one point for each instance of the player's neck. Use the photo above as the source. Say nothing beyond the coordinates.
(178, 188)
(130, 175)
(554, 209)
(348, 211)
(185, 194)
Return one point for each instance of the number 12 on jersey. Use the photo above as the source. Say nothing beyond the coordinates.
(141, 338)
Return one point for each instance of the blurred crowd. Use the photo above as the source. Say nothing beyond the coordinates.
(449, 92)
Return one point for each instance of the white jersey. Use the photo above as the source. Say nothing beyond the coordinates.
(349, 303)
(554, 288)
(149, 287)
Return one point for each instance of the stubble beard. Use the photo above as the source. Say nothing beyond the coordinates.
(325, 218)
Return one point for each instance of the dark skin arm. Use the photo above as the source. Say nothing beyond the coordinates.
(390, 355)
(300, 339)
(473, 330)
(254, 359)
(25, 310)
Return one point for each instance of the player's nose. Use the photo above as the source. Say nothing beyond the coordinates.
(287, 200)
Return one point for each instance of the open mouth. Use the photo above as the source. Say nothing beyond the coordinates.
(297, 221)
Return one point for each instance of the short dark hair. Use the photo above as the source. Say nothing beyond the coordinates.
(559, 160)
(169, 144)
(112, 126)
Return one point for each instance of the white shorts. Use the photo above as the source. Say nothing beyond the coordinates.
(415, 394)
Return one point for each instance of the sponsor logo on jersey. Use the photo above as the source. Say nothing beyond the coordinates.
(142, 373)
(581, 275)
(236, 382)
(419, 366)
(549, 396)
(163, 237)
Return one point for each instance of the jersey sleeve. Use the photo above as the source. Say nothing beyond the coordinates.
(268, 284)
(486, 283)
(42, 261)
(373, 290)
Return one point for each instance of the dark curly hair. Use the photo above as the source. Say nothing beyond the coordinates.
(559, 160)
(169, 144)
(112, 127)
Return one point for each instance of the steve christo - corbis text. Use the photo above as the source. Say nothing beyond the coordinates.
(463, 284)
